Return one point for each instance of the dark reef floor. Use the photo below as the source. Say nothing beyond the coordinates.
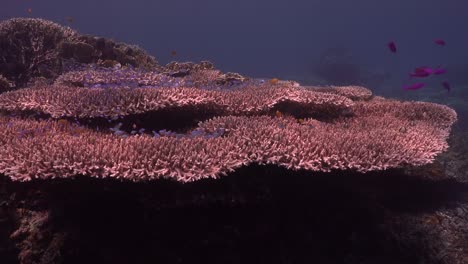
(259, 214)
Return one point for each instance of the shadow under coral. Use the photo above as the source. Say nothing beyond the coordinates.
(259, 214)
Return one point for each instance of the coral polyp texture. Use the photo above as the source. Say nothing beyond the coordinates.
(54, 131)
(65, 101)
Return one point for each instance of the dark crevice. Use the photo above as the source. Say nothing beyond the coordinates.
(175, 119)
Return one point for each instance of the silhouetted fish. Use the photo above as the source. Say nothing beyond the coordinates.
(424, 69)
(392, 46)
(446, 85)
(422, 72)
(414, 86)
(440, 71)
(439, 42)
(173, 53)
(69, 19)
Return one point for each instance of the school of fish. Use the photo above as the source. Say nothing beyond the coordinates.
(423, 71)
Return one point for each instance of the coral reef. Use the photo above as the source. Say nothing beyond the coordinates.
(336, 132)
(65, 101)
(108, 157)
(91, 49)
(31, 47)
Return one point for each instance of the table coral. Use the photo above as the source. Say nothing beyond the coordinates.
(336, 132)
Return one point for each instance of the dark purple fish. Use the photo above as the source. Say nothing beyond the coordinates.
(439, 42)
(446, 85)
(419, 74)
(440, 71)
(392, 46)
(422, 72)
(424, 69)
(414, 86)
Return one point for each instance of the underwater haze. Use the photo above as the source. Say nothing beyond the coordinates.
(272, 38)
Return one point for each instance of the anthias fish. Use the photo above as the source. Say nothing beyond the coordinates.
(422, 72)
(392, 46)
(446, 85)
(414, 86)
(439, 42)
(440, 71)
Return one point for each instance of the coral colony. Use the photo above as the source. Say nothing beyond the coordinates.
(88, 106)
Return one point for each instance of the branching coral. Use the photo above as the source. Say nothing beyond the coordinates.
(363, 136)
(352, 92)
(118, 78)
(196, 75)
(29, 47)
(64, 101)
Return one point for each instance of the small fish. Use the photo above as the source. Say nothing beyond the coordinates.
(300, 120)
(155, 134)
(414, 86)
(120, 133)
(419, 74)
(29, 10)
(392, 46)
(173, 53)
(273, 81)
(439, 42)
(220, 131)
(116, 127)
(63, 122)
(208, 136)
(424, 69)
(164, 132)
(422, 72)
(446, 85)
(69, 19)
(196, 133)
(439, 71)
(278, 114)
